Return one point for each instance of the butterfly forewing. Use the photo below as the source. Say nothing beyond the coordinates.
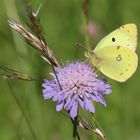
(126, 36)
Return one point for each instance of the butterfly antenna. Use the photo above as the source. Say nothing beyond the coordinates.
(88, 51)
(79, 45)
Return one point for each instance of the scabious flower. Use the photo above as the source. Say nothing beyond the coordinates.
(78, 85)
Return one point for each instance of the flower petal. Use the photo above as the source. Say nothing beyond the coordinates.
(74, 109)
(82, 104)
(59, 106)
(49, 95)
(89, 105)
(67, 103)
(94, 98)
(107, 91)
(102, 101)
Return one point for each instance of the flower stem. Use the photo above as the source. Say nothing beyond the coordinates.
(75, 133)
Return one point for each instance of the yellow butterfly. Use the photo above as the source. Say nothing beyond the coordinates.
(115, 54)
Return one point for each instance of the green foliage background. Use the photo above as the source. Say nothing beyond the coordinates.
(62, 21)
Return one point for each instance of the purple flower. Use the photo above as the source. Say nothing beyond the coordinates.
(78, 85)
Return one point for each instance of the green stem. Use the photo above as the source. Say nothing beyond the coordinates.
(85, 22)
(75, 122)
(87, 40)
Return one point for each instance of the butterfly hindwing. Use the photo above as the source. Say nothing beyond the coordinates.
(117, 62)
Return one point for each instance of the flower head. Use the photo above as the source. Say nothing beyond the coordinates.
(78, 85)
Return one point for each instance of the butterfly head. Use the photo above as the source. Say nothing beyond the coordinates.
(93, 58)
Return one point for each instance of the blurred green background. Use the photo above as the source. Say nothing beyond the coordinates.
(62, 21)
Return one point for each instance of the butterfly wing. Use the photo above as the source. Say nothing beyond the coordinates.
(116, 62)
(126, 36)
